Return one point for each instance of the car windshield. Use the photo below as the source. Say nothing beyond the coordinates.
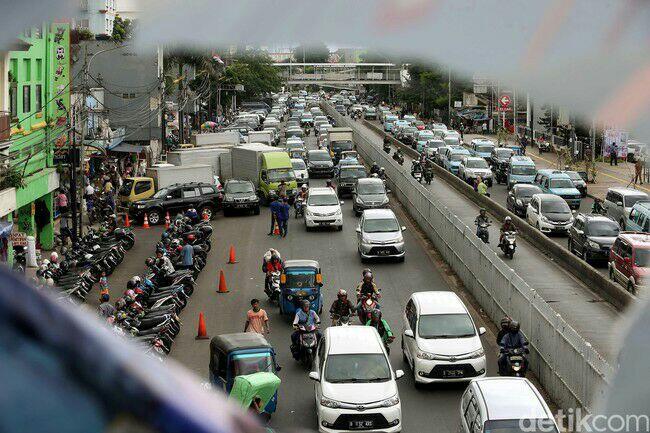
(342, 145)
(384, 225)
(162, 193)
(249, 363)
(630, 200)
(477, 163)
(371, 188)
(561, 183)
(573, 175)
(504, 153)
(126, 187)
(366, 367)
(603, 228)
(294, 133)
(523, 170)
(457, 156)
(298, 165)
(445, 326)
(322, 200)
(436, 144)
(301, 280)
(390, 118)
(281, 175)
(410, 130)
(520, 426)
(238, 187)
(319, 156)
(425, 135)
(555, 206)
(353, 173)
(527, 191)
(642, 257)
(484, 148)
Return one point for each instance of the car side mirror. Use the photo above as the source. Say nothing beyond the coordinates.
(314, 376)
(409, 333)
(399, 374)
(580, 232)
(359, 230)
(481, 331)
(619, 203)
(342, 203)
(169, 197)
(403, 228)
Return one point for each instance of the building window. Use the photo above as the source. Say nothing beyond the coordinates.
(39, 97)
(39, 69)
(27, 66)
(27, 99)
(13, 100)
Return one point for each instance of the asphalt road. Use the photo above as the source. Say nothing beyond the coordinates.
(583, 309)
(337, 254)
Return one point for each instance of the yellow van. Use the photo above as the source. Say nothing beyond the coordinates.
(134, 189)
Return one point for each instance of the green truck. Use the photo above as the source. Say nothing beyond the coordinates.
(266, 167)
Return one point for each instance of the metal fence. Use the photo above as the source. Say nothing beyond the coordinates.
(568, 367)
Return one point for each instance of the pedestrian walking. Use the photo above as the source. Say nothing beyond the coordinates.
(256, 319)
(64, 229)
(638, 170)
(462, 131)
(62, 202)
(187, 256)
(282, 189)
(613, 154)
(275, 209)
(484, 127)
(105, 309)
(283, 217)
(103, 285)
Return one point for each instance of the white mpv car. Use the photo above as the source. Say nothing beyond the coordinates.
(355, 387)
(323, 209)
(440, 340)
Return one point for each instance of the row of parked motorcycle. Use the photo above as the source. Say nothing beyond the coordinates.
(149, 310)
(75, 270)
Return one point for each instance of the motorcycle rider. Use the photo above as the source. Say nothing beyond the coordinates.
(508, 226)
(307, 318)
(513, 339)
(366, 287)
(163, 263)
(382, 173)
(598, 207)
(374, 169)
(271, 262)
(397, 156)
(505, 326)
(381, 326)
(482, 218)
(416, 166)
(341, 307)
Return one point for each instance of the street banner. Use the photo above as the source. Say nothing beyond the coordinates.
(617, 136)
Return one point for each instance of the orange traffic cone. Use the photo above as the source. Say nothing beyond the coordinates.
(232, 259)
(202, 334)
(222, 283)
(276, 228)
(127, 222)
(168, 221)
(145, 225)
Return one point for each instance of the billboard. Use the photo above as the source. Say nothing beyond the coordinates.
(617, 136)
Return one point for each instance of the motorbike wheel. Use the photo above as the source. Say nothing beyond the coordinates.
(208, 245)
(308, 358)
(188, 289)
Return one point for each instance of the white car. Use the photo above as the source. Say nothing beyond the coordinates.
(379, 235)
(440, 341)
(503, 404)
(300, 170)
(323, 209)
(355, 385)
(473, 166)
(549, 213)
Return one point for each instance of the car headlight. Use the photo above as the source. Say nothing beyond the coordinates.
(394, 400)
(519, 202)
(289, 297)
(428, 356)
(544, 219)
(384, 201)
(476, 354)
(338, 212)
(359, 200)
(593, 245)
(330, 403)
(252, 197)
(139, 206)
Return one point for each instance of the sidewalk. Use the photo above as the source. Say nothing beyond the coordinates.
(606, 176)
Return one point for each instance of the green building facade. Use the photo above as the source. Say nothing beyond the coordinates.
(39, 100)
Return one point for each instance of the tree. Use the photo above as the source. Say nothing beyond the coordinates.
(312, 53)
(122, 29)
(253, 70)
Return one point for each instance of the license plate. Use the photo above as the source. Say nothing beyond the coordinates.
(452, 373)
(357, 425)
(383, 252)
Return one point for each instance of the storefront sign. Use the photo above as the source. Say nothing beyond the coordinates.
(19, 239)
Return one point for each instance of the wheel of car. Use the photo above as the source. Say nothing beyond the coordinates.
(585, 254)
(154, 217)
(208, 211)
(256, 210)
(402, 259)
(339, 228)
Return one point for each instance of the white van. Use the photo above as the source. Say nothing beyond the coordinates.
(440, 341)
(355, 387)
(504, 404)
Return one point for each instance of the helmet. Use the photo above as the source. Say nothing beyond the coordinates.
(54, 257)
(482, 210)
(304, 186)
(367, 277)
(505, 322)
(364, 272)
(130, 294)
(382, 169)
(176, 242)
(507, 219)
(191, 238)
(165, 235)
(305, 303)
(514, 326)
(49, 281)
(105, 297)
(376, 314)
(342, 293)
(150, 261)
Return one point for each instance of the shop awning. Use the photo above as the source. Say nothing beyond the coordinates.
(127, 148)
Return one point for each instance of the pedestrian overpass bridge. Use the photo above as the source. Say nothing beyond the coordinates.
(340, 75)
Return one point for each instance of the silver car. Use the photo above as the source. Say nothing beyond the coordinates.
(379, 235)
(369, 193)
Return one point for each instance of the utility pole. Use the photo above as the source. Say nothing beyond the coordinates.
(181, 114)
(449, 95)
(514, 109)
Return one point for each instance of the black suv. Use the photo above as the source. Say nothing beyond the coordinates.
(519, 197)
(240, 195)
(592, 236)
(176, 199)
